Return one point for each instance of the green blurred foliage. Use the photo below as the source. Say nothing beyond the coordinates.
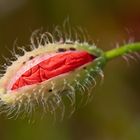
(114, 113)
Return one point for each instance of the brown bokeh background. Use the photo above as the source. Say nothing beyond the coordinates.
(114, 113)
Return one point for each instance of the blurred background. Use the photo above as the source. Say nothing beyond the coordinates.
(114, 113)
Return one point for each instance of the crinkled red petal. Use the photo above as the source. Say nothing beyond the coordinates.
(59, 64)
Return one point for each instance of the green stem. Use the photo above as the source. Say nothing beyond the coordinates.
(122, 50)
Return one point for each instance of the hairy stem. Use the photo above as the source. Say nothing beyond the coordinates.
(122, 50)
